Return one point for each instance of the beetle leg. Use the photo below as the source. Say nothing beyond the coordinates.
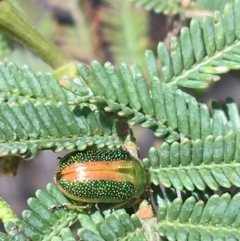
(152, 202)
(68, 206)
(97, 207)
(111, 209)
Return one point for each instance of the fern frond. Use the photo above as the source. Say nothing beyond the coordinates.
(212, 5)
(178, 218)
(162, 108)
(6, 213)
(27, 127)
(24, 82)
(38, 222)
(37, 113)
(212, 163)
(76, 38)
(125, 30)
(124, 91)
(158, 6)
(196, 220)
(197, 57)
(207, 49)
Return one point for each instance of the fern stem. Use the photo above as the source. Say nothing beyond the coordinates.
(15, 25)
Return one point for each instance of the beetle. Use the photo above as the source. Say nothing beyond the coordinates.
(101, 176)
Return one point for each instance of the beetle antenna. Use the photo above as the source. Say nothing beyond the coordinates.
(97, 207)
(152, 201)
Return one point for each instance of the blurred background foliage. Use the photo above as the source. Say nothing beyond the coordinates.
(115, 31)
(105, 30)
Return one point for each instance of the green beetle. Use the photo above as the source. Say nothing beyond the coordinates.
(101, 176)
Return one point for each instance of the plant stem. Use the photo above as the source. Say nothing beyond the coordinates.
(14, 24)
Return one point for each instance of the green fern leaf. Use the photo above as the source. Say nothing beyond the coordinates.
(193, 219)
(192, 62)
(38, 222)
(36, 113)
(166, 7)
(196, 164)
(162, 108)
(202, 52)
(124, 29)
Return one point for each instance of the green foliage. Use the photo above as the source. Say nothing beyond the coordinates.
(203, 51)
(194, 218)
(5, 49)
(213, 162)
(190, 218)
(212, 5)
(38, 222)
(198, 156)
(167, 7)
(36, 116)
(125, 29)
